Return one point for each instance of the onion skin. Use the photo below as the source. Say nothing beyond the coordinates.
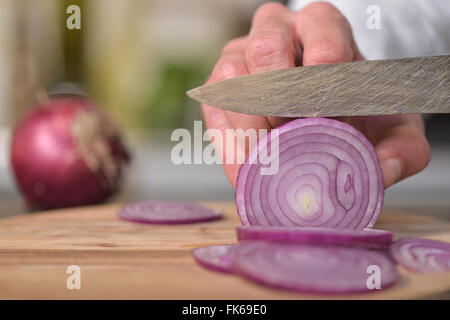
(329, 176)
(67, 153)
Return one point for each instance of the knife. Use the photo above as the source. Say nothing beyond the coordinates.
(375, 87)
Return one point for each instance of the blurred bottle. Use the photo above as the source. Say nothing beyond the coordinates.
(33, 52)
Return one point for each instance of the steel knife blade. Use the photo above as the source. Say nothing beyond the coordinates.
(374, 87)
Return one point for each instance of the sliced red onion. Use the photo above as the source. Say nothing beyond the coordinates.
(216, 258)
(156, 212)
(368, 238)
(329, 176)
(308, 268)
(422, 255)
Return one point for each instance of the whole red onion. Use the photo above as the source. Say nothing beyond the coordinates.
(66, 153)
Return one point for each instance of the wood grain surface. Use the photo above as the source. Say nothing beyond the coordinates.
(124, 260)
(376, 87)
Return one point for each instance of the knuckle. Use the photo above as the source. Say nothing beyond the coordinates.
(327, 11)
(226, 68)
(266, 48)
(232, 45)
(328, 51)
(269, 9)
(321, 7)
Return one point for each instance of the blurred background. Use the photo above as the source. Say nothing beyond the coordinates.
(137, 59)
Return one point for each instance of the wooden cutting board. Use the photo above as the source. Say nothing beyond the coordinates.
(125, 260)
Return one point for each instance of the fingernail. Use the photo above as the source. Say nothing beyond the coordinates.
(392, 171)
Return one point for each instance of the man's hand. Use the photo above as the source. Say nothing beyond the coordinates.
(318, 34)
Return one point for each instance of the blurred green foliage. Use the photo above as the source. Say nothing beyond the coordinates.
(167, 106)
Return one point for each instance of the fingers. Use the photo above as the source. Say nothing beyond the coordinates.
(231, 64)
(325, 35)
(271, 42)
(216, 119)
(402, 147)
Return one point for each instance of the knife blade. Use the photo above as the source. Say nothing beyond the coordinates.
(375, 87)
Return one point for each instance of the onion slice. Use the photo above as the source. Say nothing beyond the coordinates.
(308, 268)
(368, 238)
(216, 258)
(329, 176)
(422, 255)
(156, 212)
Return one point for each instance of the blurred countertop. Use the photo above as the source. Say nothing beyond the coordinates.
(152, 175)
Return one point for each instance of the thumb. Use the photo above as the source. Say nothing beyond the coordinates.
(402, 152)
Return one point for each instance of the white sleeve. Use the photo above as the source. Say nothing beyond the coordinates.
(407, 27)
